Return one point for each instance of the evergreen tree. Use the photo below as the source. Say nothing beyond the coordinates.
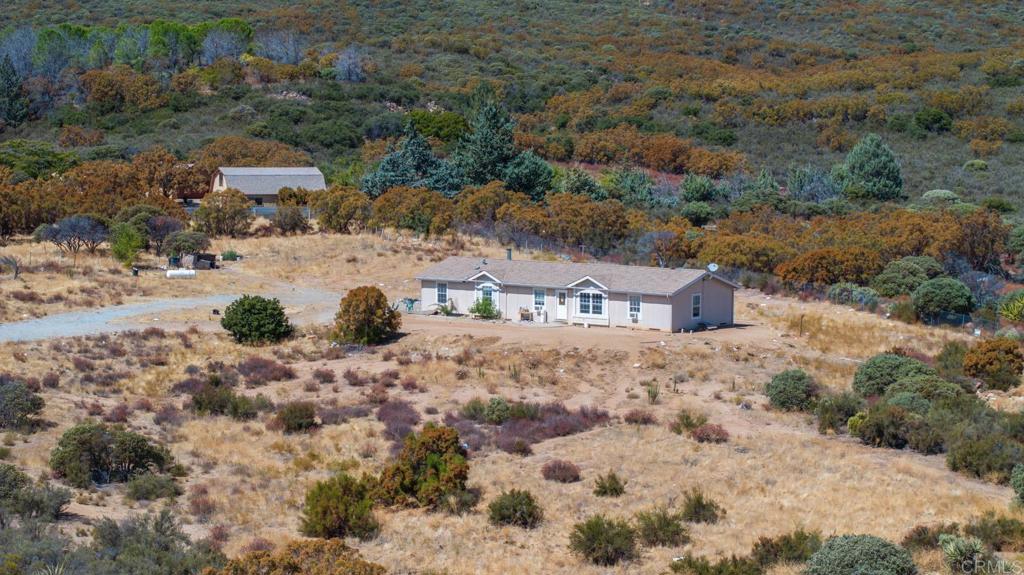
(873, 171)
(577, 181)
(485, 152)
(407, 165)
(13, 104)
(529, 174)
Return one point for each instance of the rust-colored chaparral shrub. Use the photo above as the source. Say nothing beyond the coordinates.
(316, 557)
(998, 362)
(829, 266)
(366, 317)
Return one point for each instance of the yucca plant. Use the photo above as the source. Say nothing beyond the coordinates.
(1013, 308)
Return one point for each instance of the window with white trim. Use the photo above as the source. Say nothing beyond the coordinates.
(442, 294)
(538, 298)
(634, 306)
(590, 303)
(487, 293)
(584, 303)
(695, 307)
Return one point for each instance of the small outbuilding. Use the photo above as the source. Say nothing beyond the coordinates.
(603, 294)
(261, 185)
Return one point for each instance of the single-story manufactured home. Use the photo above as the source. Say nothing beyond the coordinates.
(582, 293)
(262, 185)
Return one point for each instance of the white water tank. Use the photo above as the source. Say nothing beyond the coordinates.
(181, 274)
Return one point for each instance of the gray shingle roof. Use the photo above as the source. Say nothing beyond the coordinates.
(268, 181)
(617, 278)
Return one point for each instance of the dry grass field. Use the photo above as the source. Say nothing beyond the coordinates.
(776, 474)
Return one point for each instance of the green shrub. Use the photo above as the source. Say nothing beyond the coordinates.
(845, 293)
(686, 420)
(700, 509)
(999, 532)
(125, 243)
(515, 507)
(913, 403)
(795, 547)
(96, 453)
(926, 537)
(475, 410)
(903, 311)
(899, 277)
(252, 319)
(834, 411)
(41, 503)
(930, 387)
(485, 309)
(661, 528)
(18, 404)
(220, 399)
(497, 411)
(185, 243)
(989, 455)
(885, 426)
(229, 256)
(876, 374)
(931, 266)
(950, 362)
(290, 219)
(942, 295)
(1017, 481)
(150, 487)
(431, 464)
(859, 554)
(791, 390)
(603, 541)
(296, 417)
(12, 480)
(339, 507)
(609, 485)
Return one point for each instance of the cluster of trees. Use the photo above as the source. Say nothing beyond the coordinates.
(128, 67)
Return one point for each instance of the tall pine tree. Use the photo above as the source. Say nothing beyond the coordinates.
(873, 171)
(485, 152)
(13, 104)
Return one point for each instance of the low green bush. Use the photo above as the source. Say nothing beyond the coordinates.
(1017, 481)
(485, 309)
(96, 453)
(253, 319)
(339, 507)
(795, 547)
(686, 421)
(150, 487)
(515, 507)
(603, 541)
(661, 528)
(431, 464)
(859, 554)
(296, 417)
(791, 390)
(876, 374)
(609, 485)
(733, 565)
(834, 411)
(698, 508)
(18, 404)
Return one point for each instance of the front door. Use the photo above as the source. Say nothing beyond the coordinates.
(561, 309)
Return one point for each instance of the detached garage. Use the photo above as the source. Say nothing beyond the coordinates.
(582, 293)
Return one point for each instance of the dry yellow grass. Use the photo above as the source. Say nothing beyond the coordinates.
(777, 473)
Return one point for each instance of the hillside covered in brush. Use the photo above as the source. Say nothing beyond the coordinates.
(712, 88)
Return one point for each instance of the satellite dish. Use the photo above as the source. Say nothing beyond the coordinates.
(712, 267)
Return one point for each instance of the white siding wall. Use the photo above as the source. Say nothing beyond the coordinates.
(716, 305)
(656, 312)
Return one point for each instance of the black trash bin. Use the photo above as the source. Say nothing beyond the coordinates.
(135, 271)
